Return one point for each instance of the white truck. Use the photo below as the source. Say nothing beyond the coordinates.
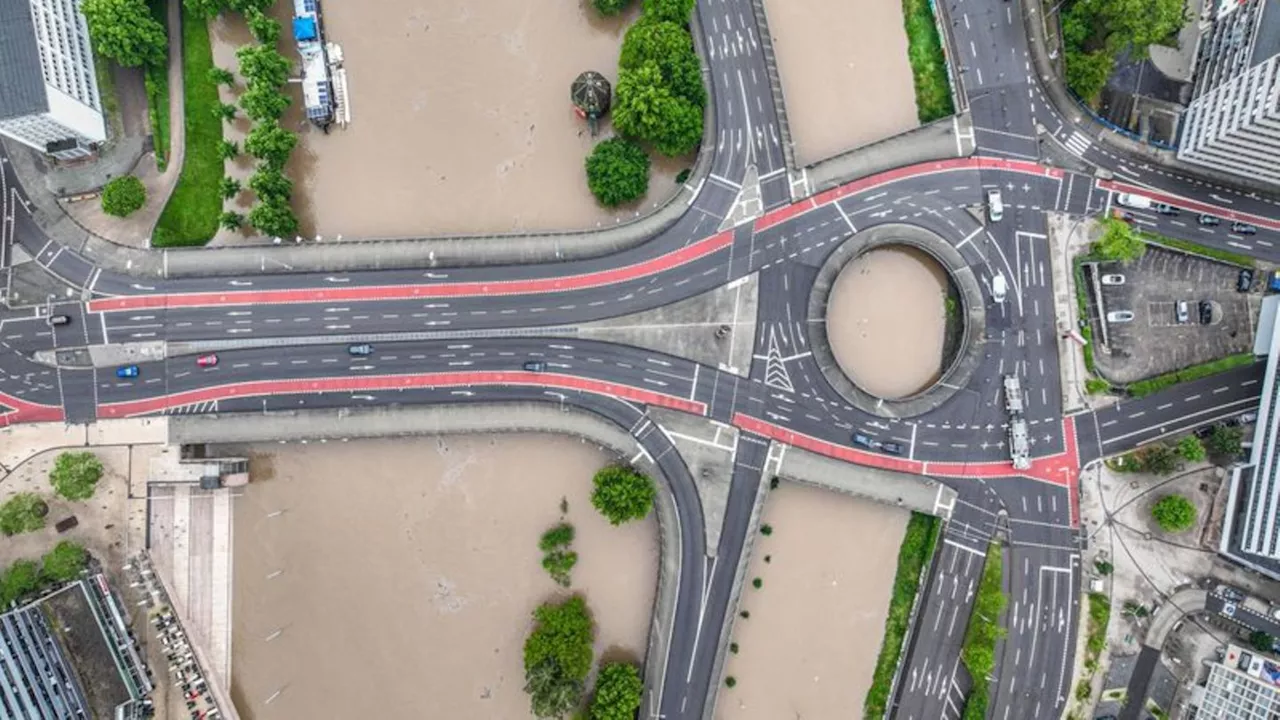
(1137, 202)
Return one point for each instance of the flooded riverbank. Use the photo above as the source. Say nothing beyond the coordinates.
(887, 321)
(408, 570)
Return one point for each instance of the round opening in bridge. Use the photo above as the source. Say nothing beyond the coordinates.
(894, 321)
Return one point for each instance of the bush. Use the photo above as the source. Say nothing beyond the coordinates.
(1143, 388)
(557, 656)
(123, 196)
(619, 692)
(21, 578)
(559, 564)
(610, 7)
(676, 11)
(75, 475)
(65, 561)
(1118, 242)
(757, 583)
(766, 529)
(1174, 513)
(1191, 449)
(1093, 385)
(230, 220)
(617, 172)
(1261, 641)
(22, 513)
(730, 681)
(622, 494)
(557, 537)
(1225, 441)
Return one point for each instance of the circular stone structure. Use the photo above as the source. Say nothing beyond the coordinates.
(887, 320)
(895, 319)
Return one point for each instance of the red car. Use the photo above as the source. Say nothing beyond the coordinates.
(207, 360)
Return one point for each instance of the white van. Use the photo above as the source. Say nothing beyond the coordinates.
(1137, 202)
(999, 288)
(995, 206)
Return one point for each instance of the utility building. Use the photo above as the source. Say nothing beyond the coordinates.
(1233, 121)
(48, 91)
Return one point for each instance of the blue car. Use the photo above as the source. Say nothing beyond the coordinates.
(128, 371)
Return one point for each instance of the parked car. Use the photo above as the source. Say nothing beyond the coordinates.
(1113, 279)
(1204, 432)
(995, 205)
(1207, 219)
(864, 441)
(1120, 316)
(1166, 209)
(1180, 311)
(361, 349)
(209, 360)
(892, 448)
(1248, 418)
(1244, 281)
(1243, 228)
(1206, 312)
(59, 319)
(535, 366)
(128, 371)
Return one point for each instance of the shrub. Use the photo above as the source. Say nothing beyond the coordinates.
(557, 656)
(733, 648)
(619, 692)
(65, 561)
(1261, 641)
(1225, 441)
(622, 494)
(22, 513)
(676, 11)
(557, 537)
(230, 220)
(22, 578)
(730, 681)
(1119, 242)
(75, 475)
(617, 172)
(757, 583)
(1191, 449)
(766, 529)
(273, 218)
(228, 149)
(610, 7)
(559, 564)
(1174, 513)
(1093, 385)
(123, 196)
(229, 187)
(221, 76)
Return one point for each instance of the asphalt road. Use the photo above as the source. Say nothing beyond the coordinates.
(463, 335)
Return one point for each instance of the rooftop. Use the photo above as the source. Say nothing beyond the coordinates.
(1266, 39)
(21, 80)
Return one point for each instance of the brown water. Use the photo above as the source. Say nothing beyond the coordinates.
(886, 321)
(461, 121)
(844, 72)
(410, 569)
(809, 648)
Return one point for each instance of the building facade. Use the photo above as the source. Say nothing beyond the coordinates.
(1232, 123)
(48, 90)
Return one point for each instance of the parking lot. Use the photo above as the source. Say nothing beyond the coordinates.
(1148, 338)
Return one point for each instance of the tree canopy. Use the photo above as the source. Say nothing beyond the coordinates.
(679, 12)
(262, 102)
(271, 184)
(1174, 513)
(1119, 242)
(1262, 642)
(264, 64)
(670, 47)
(123, 196)
(273, 218)
(64, 561)
(22, 513)
(75, 475)
(618, 172)
(1225, 441)
(1095, 32)
(270, 143)
(610, 7)
(619, 692)
(622, 494)
(264, 29)
(125, 31)
(20, 578)
(558, 655)
(1191, 449)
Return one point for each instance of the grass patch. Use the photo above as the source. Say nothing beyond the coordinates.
(917, 548)
(1143, 388)
(928, 63)
(107, 90)
(156, 80)
(1225, 256)
(191, 217)
(979, 650)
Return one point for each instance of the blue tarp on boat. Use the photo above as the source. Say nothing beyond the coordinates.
(304, 29)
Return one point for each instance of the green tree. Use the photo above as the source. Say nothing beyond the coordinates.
(225, 111)
(123, 195)
(271, 184)
(676, 11)
(559, 565)
(559, 536)
(682, 130)
(229, 187)
(1087, 73)
(557, 656)
(230, 220)
(64, 561)
(642, 101)
(265, 30)
(670, 47)
(244, 7)
(1119, 242)
(1174, 513)
(1158, 459)
(204, 8)
(618, 172)
(263, 64)
(270, 143)
(22, 513)
(619, 691)
(1225, 442)
(1129, 25)
(228, 149)
(21, 578)
(622, 494)
(1191, 449)
(75, 475)
(221, 76)
(125, 31)
(262, 102)
(273, 218)
(1261, 641)
(610, 7)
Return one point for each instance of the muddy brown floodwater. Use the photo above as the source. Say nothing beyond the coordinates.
(886, 321)
(408, 572)
(461, 121)
(845, 74)
(809, 648)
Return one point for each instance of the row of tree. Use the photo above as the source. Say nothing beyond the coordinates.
(1096, 32)
(27, 577)
(74, 477)
(125, 31)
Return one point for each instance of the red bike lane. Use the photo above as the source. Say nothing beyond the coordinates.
(21, 411)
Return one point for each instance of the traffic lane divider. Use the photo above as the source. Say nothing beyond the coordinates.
(1195, 206)
(373, 383)
(689, 253)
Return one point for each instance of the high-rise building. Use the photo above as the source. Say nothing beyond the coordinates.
(1243, 686)
(48, 91)
(1233, 121)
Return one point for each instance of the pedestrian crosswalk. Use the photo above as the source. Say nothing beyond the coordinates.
(1078, 144)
